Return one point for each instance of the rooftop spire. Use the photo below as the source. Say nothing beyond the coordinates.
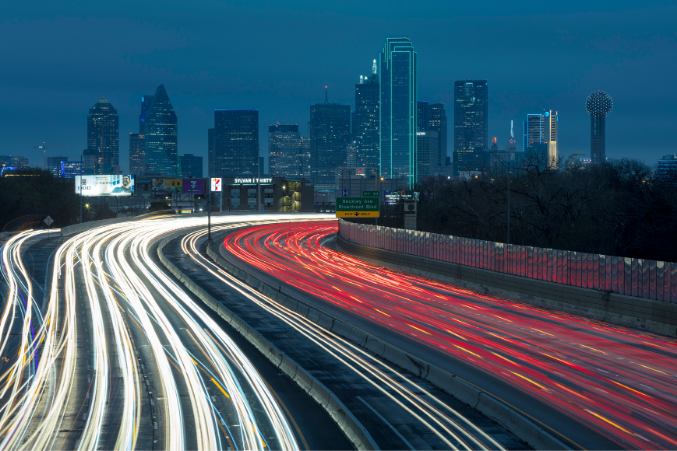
(373, 67)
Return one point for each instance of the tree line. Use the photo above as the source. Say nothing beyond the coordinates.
(620, 207)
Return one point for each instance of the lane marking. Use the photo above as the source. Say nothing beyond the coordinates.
(387, 423)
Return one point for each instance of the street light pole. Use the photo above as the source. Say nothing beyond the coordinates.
(82, 171)
(209, 209)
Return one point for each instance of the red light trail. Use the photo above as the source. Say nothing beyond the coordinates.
(619, 381)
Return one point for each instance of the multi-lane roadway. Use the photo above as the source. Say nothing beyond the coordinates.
(592, 384)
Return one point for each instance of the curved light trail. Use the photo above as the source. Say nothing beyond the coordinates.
(619, 381)
(456, 431)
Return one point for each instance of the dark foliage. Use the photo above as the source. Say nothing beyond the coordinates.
(159, 206)
(617, 208)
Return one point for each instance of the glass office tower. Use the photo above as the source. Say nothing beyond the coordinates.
(103, 136)
(366, 119)
(329, 135)
(160, 130)
(471, 122)
(236, 143)
(398, 110)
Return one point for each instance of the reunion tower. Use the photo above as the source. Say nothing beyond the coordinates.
(598, 105)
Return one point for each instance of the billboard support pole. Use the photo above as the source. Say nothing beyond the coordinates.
(208, 182)
(81, 174)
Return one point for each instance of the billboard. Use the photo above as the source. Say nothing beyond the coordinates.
(193, 186)
(104, 185)
(216, 185)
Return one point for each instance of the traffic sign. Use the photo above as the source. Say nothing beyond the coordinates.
(49, 221)
(371, 194)
(216, 185)
(344, 193)
(357, 207)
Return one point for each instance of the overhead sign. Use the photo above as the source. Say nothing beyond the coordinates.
(216, 185)
(193, 186)
(371, 194)
(357, 207)
(104, 185)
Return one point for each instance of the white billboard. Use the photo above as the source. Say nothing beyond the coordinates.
(216, 185)
(104, 185)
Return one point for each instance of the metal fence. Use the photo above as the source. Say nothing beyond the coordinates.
(648, 279)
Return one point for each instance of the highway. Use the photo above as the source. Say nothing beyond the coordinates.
(603, 386)
(117, 355)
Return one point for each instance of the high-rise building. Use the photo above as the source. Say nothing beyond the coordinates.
(103, 135)
(366, 119)
(191, 166)
(437, 122)
(285, 151)
(54, 165)
(542, 129)
(398, 110)
(146, 102)
(598, 105)
(667, 168)
(70, 169)
(236, 143)
(137, 154)
(20, 162)
(305, 157)
(427, 153)
(422, 108)
(471, 123)
(159, 124)
(329, 135)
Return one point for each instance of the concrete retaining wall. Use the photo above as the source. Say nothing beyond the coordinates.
(645, 314)
(353, 429)
(516, 422)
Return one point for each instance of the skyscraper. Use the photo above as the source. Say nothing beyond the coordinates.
(103, 136)
(236, 143)
(398, 110)
(543, 129)
(160, 134)
(286, 152)
(329, 135)
(422, 108)
(191, 166)
(137, 154)
(54, 165)
(598, 104)
(437, 122)
(427, 153)
(366, 119)
(471, 118)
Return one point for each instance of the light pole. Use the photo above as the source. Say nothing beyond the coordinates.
(208, 189)
(82, 171)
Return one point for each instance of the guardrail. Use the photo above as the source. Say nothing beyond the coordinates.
(649, 279)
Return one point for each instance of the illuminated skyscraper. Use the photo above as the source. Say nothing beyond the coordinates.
(191, 166)
(366, 119)
(471, 122)
(543, 129)
(137, 154)
(236, 143)
(398, 110)
(160, 132)
(103, 135)
(598, 105)
(329, 136)
(286, 151)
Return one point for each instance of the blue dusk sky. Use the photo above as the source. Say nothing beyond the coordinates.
(59, 57)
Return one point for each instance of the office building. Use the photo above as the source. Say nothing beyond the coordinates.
(577, 159)
(103, 135)
(366, 119)
(471, 123)
(69, 169)
(271, 193)
(54, 165)
(191, 166)
(14, 161)
(437, 122)
(598, 105)
(286, 152)
(398, 110)
(235, 143)
(422, 108)
(667, 168)
(427, 154)
(90, 158)
(542, 129)
(305, 158)
(137, 154)
(329, 135)
(160, 131)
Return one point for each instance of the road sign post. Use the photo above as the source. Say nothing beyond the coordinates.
(357, 207)
(48, 221)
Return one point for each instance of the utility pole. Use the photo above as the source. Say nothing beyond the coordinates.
(258, 180)
(82, 169)
(209, 209)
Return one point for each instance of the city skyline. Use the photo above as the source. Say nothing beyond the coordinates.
(588, 59)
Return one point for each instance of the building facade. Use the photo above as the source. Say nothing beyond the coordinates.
(398, 110)
(103, 136)
(235, 143)
(437, 122)
(428, 149)
(471, 122)
(271, 193)
(598, 105)
(329, 135)
(191, 166)
(54, 165)
(366, 119)
(160, 130)
(137, 154)
(287, 154)
(667, 168)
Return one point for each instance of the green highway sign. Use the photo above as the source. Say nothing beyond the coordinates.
(370, 194)
(357, 207)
